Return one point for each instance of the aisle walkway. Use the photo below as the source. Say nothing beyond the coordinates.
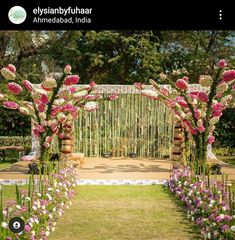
(124, 213)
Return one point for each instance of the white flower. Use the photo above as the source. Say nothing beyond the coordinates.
(210, 205)
(149, 94)
(39, 194)
(33, 233)
(209, 235)
(54, 223)
(224, 208)
(90, 106)
(34, 208)
(43, 207)
(50, 216)
(80, 94)
(18, 206)
(54, 209)
(232, 228)
(53, 229)
(60, 213)
(221, 216)
(50, 189)
(27, 198)
(57, 190)
(44, 212)
(70, 203)
(36, 221)
(47, 233)
(31, 220)
(4, 224)
(49, 196)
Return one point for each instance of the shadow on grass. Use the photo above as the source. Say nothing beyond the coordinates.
(181, 208)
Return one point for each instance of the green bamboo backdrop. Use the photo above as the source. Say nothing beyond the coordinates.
(131, 123)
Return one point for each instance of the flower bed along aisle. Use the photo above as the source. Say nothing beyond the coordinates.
(39, 206)
(210, 203)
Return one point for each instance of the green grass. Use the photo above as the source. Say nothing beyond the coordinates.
(8, 162)
(227, 159)
(124, 213)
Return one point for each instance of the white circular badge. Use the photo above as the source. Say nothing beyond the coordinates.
(17, 15)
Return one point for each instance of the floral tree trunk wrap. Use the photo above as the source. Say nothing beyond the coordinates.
(198, 111)
(51, 105)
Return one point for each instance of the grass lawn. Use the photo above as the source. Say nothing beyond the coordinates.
(227, 159)
(124, 213)
(7, 163)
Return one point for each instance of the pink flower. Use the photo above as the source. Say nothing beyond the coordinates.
(228, 75)
(72, 89)
(180, 100)
(71, 79)
(219, 95)
(217, 113)
(193, 94)
(181, 84)
(46, 145)
(92, 84)
(67, 69)
(222, 63)
(11, 68)
(202, 96)
(186, 79)
(165, 91)
(138, 85)
(113, 96)
(201, 128)
(39, 128)
(61, 136)
(170, 102)
(27, 85)
(211, 139)
(10, 105)
(90, 97)
(217, 107)
(41, 107)
(233, 87)
(48, 139)
(36, 133)
(44, 99)
(27, 228)
(14, 88)
(197, 113)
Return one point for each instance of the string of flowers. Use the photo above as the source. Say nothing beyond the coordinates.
(52, 103)
(198, 111)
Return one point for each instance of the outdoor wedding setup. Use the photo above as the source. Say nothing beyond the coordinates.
(160, 134)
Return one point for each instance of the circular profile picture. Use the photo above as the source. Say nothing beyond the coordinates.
(17, 15)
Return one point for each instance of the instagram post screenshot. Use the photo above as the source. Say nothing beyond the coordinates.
(117, 120)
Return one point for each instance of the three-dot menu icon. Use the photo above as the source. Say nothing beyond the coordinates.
(220, 15)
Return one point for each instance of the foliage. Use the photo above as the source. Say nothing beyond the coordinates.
(224, 151)
(12, 123)
(15, 141)
(225, 129)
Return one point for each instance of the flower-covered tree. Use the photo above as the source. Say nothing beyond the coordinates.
(197, 110)
(52, 103)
